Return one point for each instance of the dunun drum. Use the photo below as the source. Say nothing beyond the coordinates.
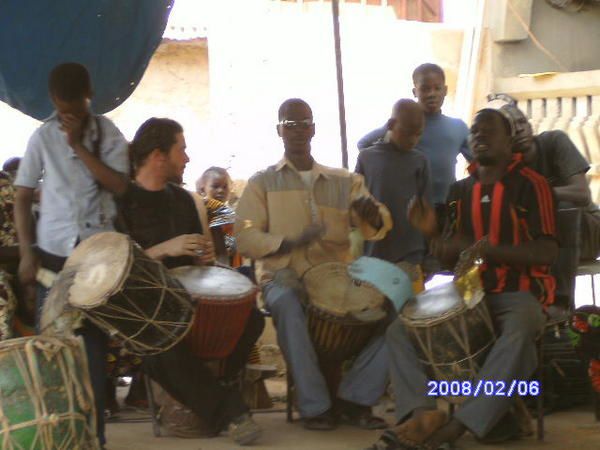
(343, 314)
(46, 399)
(451, 340)
(224, 299)
(125, 293)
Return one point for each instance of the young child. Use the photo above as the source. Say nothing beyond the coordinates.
(395, 172)
(214, 185)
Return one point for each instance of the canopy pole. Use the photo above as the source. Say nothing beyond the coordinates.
(335, 8)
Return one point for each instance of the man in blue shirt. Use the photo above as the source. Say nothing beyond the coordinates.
(83, 159)
(443, 139)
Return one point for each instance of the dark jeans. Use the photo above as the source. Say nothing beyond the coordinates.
(189, 381)
(96, 349)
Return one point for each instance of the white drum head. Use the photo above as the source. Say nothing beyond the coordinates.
(213, 282)
(434, 304)
(102, 264)
(330, 288)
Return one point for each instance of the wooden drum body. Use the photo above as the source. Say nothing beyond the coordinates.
(451, 340)
(46, 399)
(125, 293)
(224, 299)
(343, 314)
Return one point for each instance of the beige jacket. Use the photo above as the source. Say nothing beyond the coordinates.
(276, 204)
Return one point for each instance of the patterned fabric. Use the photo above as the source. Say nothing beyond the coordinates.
(8, 304)
(8, 238)
(584, 332)
(8, 231)
(222, 216)
(119, 362)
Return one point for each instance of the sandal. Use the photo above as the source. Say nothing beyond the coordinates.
(365, 421)
(415, 431)
(244, 430)
(389, 441)
(322, 422)
(359, 416)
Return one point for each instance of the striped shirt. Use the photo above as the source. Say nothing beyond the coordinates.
(517, 209)
(277, 205)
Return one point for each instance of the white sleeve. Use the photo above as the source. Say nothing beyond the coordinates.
(32, 165)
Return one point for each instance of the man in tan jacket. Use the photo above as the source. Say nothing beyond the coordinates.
(295, 215)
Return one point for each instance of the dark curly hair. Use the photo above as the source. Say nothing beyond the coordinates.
(154, 133)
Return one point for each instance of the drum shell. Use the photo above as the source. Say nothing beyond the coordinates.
(455, 347)
(151, 313)
(336, 338)
(46, 398)
(219, 324)
(224, 299)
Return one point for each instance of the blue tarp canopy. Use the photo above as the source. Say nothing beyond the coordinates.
(114, 39)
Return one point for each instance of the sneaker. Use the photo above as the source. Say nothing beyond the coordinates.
(244, 430)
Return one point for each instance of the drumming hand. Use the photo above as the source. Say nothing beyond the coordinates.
(422, 216)
(185, 245)
(206, 254)
(310, 234)
(367, 210)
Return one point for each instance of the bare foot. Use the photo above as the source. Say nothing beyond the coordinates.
(420, 427)
(448, 433)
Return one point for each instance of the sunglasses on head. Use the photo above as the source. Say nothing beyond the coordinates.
(503, 97)
(304, 124)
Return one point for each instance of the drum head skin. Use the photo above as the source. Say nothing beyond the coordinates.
(102, 264)
(434, 304)
(213, 282)
(331, 289)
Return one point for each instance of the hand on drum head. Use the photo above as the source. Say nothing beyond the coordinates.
(310, 234)
(194, 245)
(205, 255)
(422, 216)
(368, 210)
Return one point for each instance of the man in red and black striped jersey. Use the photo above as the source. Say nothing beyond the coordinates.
(505, 211)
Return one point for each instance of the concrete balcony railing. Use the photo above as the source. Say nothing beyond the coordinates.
(563, 101)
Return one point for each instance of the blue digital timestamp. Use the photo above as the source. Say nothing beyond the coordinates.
(484, 388)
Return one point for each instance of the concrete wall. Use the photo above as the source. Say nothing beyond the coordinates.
(269, 51)
(572, 37)
(175, 85)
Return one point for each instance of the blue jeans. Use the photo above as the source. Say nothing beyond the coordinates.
(96, 348)
(363, 384)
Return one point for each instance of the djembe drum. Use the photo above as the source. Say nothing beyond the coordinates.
(116, 286)
(224, 299)
(343, 314)
(46, 399)
(451, 337)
